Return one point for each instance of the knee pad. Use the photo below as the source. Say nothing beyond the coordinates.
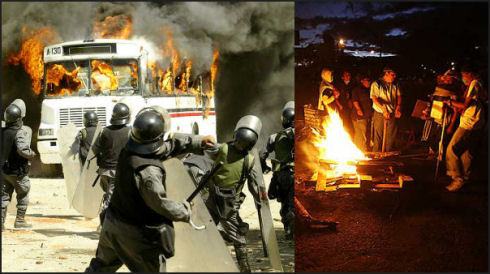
(24, 185)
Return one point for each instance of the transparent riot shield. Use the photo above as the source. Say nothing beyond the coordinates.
(267, 225)
(70, 160)
(88, 197)
(195, 250)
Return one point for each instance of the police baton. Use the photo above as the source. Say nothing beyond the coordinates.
(204, 182)
(199, 187)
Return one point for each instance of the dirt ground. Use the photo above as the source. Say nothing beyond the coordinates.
(431, 230)
(61, 240)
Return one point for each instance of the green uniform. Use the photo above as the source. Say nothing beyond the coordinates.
(282, 183)
(226, 196)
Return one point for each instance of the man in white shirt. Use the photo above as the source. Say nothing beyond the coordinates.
(387, 100)
(463, 144)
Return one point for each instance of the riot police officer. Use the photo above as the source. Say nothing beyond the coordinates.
(282, 183)
(86, 135)
(225, 186)
(107, 147)
(16, 150)
(138, 228)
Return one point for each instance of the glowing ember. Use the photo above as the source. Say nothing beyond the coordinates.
(102, 76)
(337, 147)
(31, 53)
(113, 27)
(62, 80)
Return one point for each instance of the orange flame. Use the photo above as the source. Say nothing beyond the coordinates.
(184, 83)
(214, 70)
(214, 73)
(336, 146)
(31, 53)
(166, 81)
(114, 27)
(62, 80)
(102, 76)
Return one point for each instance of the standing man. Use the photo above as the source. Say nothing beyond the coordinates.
(362, 113)
(327, 92)
(464, 143)
(107, 147)
(138, 229)
(225, 186)
(282, 182)
(16, 150)
(387, 101)
(86, 135)
(345, 88)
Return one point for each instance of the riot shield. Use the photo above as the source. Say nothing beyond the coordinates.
(70, 159)
(195, 250)
(267, 225)
(87, 198)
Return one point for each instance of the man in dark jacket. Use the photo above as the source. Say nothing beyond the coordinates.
(107, 147)
(345, 89)
(138, 228)
(16, 150)
(362, 112)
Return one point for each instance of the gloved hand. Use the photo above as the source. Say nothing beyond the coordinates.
(189, 208)
(208, 141)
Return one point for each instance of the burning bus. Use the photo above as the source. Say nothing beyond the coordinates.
(96, 74)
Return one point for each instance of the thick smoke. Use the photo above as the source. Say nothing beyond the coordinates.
(255, 40)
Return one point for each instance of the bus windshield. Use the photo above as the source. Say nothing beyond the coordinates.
(116, 77)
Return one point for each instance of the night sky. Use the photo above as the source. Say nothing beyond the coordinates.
(428, 34)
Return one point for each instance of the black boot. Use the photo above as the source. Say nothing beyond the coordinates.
(20, 221)
(242, 258)
(4, 216)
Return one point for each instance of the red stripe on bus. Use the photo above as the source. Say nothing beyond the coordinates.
(186, 114)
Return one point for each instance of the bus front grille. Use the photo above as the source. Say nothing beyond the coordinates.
(75, 115)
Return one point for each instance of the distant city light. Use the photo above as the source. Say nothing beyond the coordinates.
(341, 41)
(372, 51)
(452, 63)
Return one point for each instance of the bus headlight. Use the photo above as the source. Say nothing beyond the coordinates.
(46, 131)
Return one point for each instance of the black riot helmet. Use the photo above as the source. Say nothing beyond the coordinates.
(247, 132)
(147, 132)
(245, 139)
(120, 114)
(287, 116)
(12, 114)
(90, 118)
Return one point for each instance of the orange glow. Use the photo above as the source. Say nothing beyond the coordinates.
(102, 76)
(336, 145)
(64, 82)
(31, 53)
(214, 70)
(113, 27)
(166, 81)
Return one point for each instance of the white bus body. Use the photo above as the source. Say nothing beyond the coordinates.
(187, 111)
